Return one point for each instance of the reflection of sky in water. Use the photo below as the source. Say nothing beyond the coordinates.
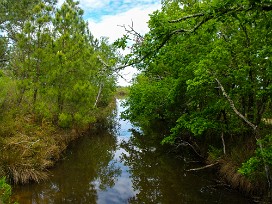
(125, 125)
(122, 190)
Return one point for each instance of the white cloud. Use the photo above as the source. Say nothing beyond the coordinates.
(93, 4)
(109, 26)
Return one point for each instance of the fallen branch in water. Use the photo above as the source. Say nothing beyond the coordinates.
(185, 143)
(204, 167)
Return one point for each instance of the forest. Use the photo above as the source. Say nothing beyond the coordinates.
(205, 76)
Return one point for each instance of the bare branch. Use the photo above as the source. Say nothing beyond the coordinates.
(98, 94)
(223, 142)
(185, 143)
(132, 31)
(233, 106)
(204, 167)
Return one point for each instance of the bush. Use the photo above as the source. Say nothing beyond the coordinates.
(5, 191)
(65, 120)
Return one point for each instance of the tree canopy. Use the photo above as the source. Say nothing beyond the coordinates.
(54, 61)
(206, 72)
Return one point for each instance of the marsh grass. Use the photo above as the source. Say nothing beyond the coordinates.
(28, 149)
(229, 171)
(230, 163)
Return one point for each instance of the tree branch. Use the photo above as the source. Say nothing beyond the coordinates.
(185, 143)
(204, 167)
(233, 106)
(186, 17)
(223, 142)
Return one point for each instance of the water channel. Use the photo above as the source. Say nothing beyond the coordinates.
(124, 167)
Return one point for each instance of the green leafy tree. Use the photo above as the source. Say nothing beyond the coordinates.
(213, 59)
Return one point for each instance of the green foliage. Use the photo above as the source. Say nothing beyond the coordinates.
(145, 110)
(122, 91)
(191, 46)
(254, 165)
(121, 42)
(54, 75)
(214, 153)
(65, 120)
(5, 191)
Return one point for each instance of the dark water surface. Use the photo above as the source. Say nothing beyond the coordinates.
(124, 168)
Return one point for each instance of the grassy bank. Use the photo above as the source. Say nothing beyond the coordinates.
(230, 163)
(30, 146)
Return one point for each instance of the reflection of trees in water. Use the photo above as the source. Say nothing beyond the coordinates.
(159, 177)
(151, 176)
(87, 166)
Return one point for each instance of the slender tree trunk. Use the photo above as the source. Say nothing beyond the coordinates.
(98, 94)
(223, 142)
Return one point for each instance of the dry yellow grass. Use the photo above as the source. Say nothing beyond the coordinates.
(30, 149)
(229, 172)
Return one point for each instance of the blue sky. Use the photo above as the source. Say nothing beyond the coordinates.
(106, 16)
(96, 10)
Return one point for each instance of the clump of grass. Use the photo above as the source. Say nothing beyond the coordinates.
(229, 165)
(30, 149)
(229, 172)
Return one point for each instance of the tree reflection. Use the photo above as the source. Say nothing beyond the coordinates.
(88, 166)
(146, 162)
(159, 177)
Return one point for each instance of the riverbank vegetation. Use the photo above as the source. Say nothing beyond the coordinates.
(206, 71)
(56, 81)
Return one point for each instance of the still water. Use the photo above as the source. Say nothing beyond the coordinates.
(124, 167)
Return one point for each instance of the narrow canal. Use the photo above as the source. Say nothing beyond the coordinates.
(124, 167)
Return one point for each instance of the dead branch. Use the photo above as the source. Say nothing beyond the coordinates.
(223, 142)
(98, 94)
(204, 167)
(233, 106)
(132, 31)
(184, 143)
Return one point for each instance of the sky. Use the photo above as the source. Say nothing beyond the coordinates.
(106, 17)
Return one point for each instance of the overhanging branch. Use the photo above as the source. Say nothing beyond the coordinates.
(233, 106)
